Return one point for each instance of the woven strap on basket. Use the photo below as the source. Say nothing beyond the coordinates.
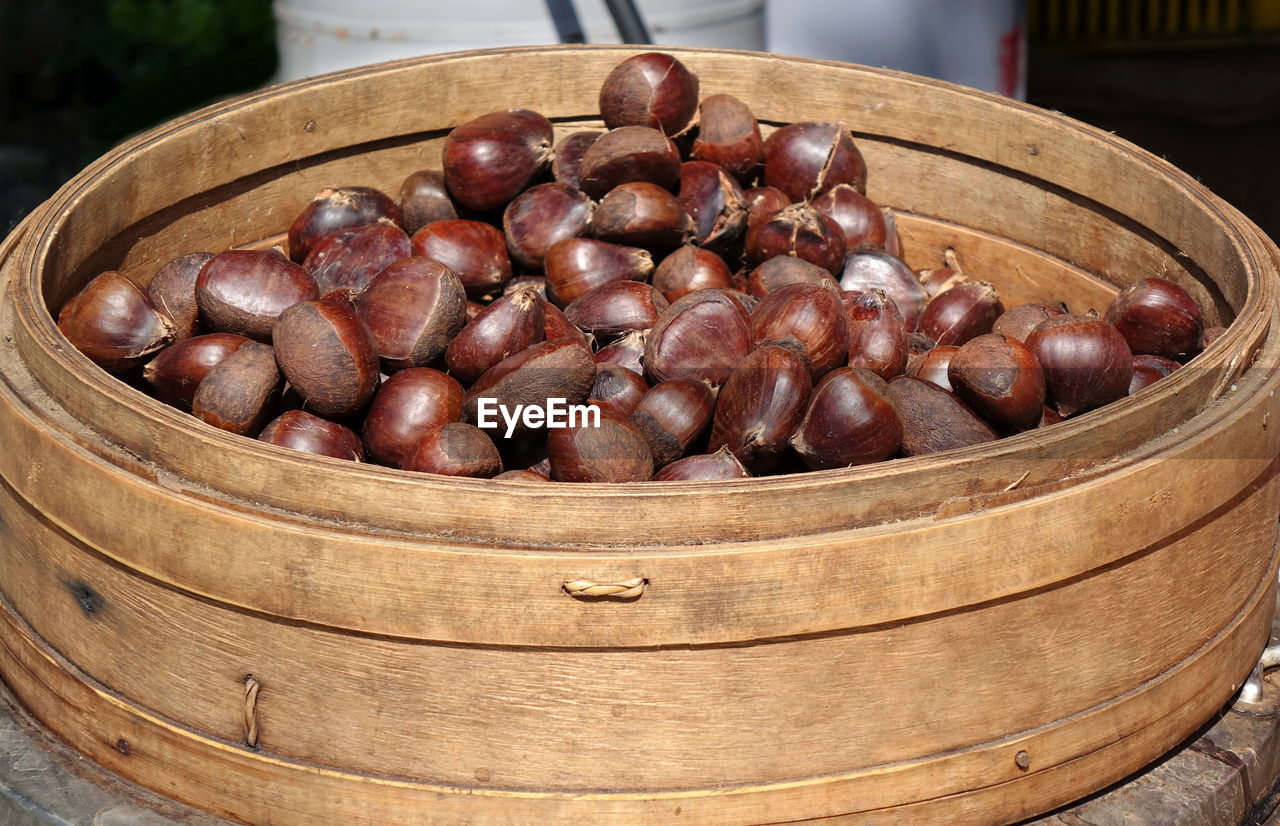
(251, 686)
(627, 589)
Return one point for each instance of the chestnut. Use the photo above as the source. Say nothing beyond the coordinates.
(934, 420)
(849, 421)
(1156, 318)
(701, 336)
(671, 415)
(475, 252)
(614, 451)
(409, 405)
(797, 230)
(575, 266)
(501, 329)
(114, 323)
(556, 326)
(536, 283)
(934, 365)
(876, 270)
(176, 372)
(304, 432)
(414, 308)
(568, 157)
(455, 449)
(490, 160)
(627, 351)
(425, 198)
(172, 291)
(522, 476)
(542, 215)
(1000, 379)
(1147, 370)
(617, 389)
(858, 217)
(244, 291)
(688, 270)
(715, 203)
(877, 334)
(704, 467)
(333, 209)
(560, 369)
(807, 319)
(328, 355)
(961, 313)
(628, 154)
(804, 160)
(1086, 362)
(615, 308)
(783, 270)
(729, 136)
(237, 394)
(1018, 322)
(760, 406)
(763, 202)
(892, 238)
(650, 89)
(351, 257)
(641, 214)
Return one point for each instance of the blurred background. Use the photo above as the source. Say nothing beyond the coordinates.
(1196, 81)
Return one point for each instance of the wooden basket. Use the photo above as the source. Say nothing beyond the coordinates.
(970, 637)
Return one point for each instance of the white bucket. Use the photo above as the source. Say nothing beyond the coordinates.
(318, 36)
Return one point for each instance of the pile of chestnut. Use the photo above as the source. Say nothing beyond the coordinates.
(733, 306)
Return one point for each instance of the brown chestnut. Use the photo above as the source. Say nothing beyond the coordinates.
(536, 283)
(556, 326)
(1018, 322)
(671, 415)
(425, 198)
(575, 266)
(688, 270)
(877, 334)
(237, 394)
(807, 319)
(715, 203)
(304, 432)
(1156, 318)
(568, 157)
(475, 252)
(961, 313)
(934, 420)
(1147, 370)
(245, 291)
(617, 389)
(763, 202)
(176, 372)
(627, 351)
(760, 406)
(804, 160)
(617, 307)
(542, 215)
(849, 421)
(456, 449)
(114, 323)
(503, 328)
(328, 355)
(490, 160)
(641, 214)
(934, 365)
(172, 291)
(1000, 379)
(875, 270)
(333, 209)
(628, 154)
(783, 270)
(351, 257)
(409, 405)
(729, 136)
(650, 89)
(522, 476)
(413, 308)
(797, 230)
(892, 238)
(1086, 362)
(704, 467)
(610, 451)
(561, 369)
(701, 336)
(858, 217)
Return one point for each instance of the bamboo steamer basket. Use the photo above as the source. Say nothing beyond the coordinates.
(976, 636)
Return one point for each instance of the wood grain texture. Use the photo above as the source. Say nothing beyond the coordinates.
(1087, 594)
